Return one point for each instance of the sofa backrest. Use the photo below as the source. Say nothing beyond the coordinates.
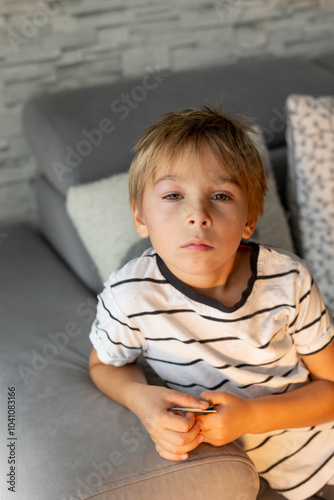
(86, 134)
(83, 135)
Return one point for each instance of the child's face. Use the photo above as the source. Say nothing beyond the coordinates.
(195, 216)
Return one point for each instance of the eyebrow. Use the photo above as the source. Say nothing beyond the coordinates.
(220, 180)
(167, 178)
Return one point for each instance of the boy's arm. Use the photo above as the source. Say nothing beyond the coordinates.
(115, 382)
(174, 435)
(306, 406)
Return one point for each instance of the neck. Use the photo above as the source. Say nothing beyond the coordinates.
(229, 291)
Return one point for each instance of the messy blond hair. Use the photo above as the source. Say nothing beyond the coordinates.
(226, 137)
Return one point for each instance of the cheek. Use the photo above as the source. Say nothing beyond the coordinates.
(232, 218)
(162, 229)
(161, 226)
(160, 215)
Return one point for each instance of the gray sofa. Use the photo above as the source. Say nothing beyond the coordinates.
(68, 441)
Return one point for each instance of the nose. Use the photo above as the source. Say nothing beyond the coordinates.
(198, 215)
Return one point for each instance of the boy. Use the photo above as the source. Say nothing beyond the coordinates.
(222, 321)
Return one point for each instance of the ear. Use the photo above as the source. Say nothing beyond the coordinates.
(138, 221)
(249, 229)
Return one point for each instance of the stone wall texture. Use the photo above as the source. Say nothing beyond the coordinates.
(46, 46)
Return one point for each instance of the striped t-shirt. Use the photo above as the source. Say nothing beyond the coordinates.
(252, 349)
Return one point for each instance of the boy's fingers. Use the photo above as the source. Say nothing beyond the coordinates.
(181, 399)
(170, 456)
(175, 451)
(181, 439)
(178, 422)
(206, 421)
(213, 397)
(178, 440)
(207, 395)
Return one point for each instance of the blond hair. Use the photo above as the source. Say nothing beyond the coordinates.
(226, 137)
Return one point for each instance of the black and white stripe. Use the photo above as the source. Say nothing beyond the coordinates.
(195, 343)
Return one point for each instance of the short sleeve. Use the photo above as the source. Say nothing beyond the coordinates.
(116, 338)
(312, 328)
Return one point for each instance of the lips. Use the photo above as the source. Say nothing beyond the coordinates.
(198, 245)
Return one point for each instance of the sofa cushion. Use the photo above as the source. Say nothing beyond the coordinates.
(72, 441)
(57, 227)
(273, 226)
(310, 138)
(101, 213)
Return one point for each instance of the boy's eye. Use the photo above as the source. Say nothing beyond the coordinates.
(173, 197)
(221, 197)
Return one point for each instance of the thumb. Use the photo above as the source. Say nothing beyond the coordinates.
(213, 397)
(187, 401)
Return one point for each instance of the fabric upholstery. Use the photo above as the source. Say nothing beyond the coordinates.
(73, 442)
(101, 213)
(60, 232)
(310, 137)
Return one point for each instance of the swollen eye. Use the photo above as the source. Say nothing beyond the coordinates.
(172, 197)
(220, 197)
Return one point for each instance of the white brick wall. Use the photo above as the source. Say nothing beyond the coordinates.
(49, 45)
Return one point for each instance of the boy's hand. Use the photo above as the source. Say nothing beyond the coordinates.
(229, 423)
(174, 434)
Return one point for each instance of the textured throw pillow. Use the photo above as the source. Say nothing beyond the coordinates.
(101, 214)
(273, 227)
(310, 139)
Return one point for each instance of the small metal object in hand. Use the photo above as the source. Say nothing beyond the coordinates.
(209, 409)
